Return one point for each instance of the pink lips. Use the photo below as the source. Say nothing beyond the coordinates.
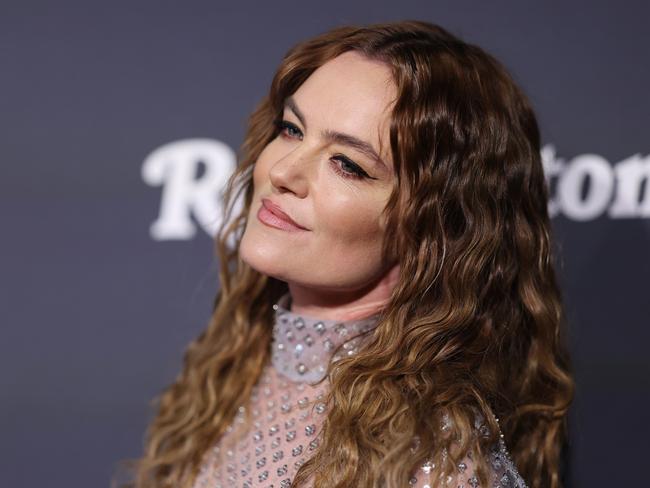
(272, 215)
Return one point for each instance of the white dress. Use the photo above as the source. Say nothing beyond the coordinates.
(287, 412)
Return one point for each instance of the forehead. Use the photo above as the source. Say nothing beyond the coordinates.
(350, 94)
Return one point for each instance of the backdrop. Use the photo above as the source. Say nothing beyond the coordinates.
(119, 123)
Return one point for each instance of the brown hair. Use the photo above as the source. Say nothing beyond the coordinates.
(474, 324)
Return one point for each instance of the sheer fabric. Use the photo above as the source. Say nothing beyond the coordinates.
(287, 410)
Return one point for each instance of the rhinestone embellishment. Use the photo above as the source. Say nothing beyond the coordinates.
(301, 357)
(286, 408)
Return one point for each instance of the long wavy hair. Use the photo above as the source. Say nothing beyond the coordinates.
(474, 324)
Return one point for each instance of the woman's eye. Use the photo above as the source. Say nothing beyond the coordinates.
(288, 129)
(342, 165)
(347, 168)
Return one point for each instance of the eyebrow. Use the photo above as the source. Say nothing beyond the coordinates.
(339, 137)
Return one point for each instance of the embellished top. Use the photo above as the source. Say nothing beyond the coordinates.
(287, 411)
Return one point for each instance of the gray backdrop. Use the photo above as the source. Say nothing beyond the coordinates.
(106, 264)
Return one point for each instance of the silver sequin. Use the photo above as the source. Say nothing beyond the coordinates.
(287, 408)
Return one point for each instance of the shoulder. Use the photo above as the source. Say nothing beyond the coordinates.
(502, 472)
(503, 469)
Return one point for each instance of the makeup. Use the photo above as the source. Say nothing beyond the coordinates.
(273, 216)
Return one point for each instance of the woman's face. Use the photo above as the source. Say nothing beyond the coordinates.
(330, 171)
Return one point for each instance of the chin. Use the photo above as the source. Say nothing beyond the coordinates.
(262, 257)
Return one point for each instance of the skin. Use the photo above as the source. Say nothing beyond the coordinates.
(334, 269)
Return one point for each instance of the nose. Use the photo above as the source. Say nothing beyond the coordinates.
(291, 173)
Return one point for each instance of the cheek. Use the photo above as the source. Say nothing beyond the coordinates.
(351, 224)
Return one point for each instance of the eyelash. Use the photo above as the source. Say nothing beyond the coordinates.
(357, 173)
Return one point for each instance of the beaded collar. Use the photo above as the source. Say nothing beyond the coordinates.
(303, 346)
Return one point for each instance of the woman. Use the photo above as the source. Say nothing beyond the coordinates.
(390, 293)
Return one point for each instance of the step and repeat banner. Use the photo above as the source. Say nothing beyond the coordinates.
(120, 124)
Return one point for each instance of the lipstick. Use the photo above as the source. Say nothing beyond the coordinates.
(272, 215)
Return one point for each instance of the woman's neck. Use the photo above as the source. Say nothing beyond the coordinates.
(343, 305)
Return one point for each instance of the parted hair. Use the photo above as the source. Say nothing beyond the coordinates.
(474, 326)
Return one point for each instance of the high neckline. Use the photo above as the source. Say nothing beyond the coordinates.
(302, 346)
